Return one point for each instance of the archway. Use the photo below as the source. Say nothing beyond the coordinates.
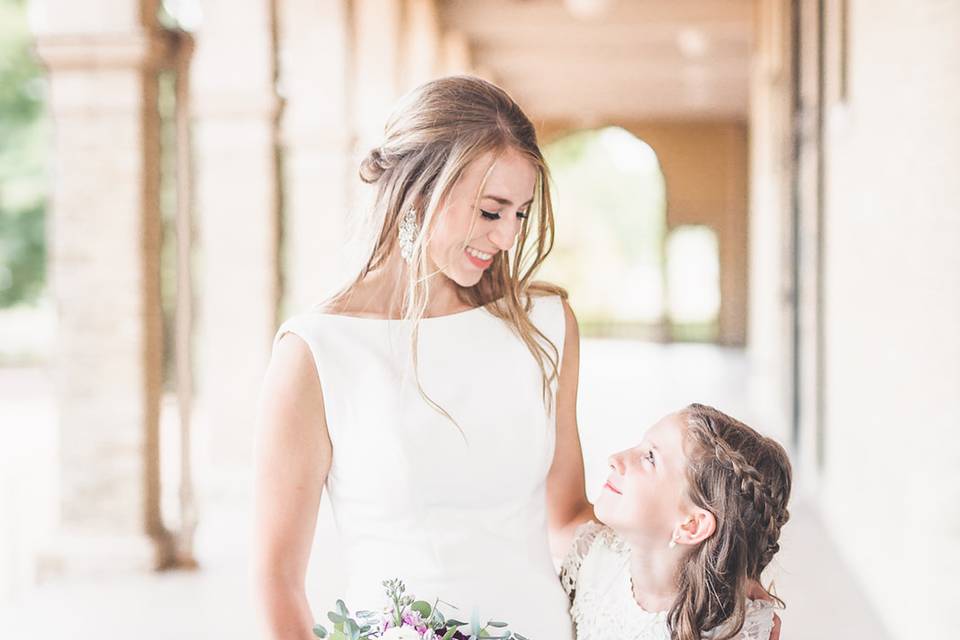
(609, 199)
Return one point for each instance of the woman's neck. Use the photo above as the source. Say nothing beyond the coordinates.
(380, 293)
(653, 574)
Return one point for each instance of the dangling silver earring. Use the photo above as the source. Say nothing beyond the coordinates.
(673, 543)
(408, 232)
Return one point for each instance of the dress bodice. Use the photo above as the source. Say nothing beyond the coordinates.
(455, 508)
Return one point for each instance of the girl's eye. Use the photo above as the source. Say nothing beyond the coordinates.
(649, 458)
(523, 215)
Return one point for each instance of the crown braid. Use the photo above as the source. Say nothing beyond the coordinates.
(769, 499)
(743, 479)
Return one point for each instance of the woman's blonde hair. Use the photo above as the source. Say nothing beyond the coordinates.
(743, 479)
(431, 137)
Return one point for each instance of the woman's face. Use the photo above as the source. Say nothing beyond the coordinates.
(644, 498)
(463, 254)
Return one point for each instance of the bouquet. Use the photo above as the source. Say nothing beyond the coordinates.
(409, 619)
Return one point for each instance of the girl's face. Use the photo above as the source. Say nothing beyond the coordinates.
(463, 254)
(644, 499)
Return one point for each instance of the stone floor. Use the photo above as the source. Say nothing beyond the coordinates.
(624, 387)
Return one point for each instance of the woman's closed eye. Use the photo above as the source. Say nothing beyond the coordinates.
(495, 215)
(649, 457)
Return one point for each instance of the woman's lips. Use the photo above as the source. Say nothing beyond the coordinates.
(612, 488)
(477, 262)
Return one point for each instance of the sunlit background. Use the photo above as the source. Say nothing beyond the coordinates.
(757, 208)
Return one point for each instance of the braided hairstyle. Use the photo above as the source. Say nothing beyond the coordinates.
(743, 479)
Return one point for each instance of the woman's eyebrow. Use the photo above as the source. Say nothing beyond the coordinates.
(504, 201)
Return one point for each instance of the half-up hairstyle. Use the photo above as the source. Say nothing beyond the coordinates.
(431, 137)
(743, 479)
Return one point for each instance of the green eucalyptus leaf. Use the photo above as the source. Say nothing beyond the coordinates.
(519, 637)
(498, 625)
(423, 608)
(336, 618)
(453, 622)
(320, 631)
(342, 608)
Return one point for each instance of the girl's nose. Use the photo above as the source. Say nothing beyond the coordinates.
(616, 463)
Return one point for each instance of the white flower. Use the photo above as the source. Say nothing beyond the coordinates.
(400, 633)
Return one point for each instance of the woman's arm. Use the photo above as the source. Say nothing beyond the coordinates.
(567, 504)
(292, 457)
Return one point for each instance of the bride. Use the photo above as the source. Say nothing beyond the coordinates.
(435, 396)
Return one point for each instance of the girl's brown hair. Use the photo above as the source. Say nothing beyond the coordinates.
(743, 479)
(433, 134)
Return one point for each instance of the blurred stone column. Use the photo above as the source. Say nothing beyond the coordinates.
(732, 235)
(235, 109)
(377, 53)
(422, 43)
(317, 138)
(104, 257)
(455, 53)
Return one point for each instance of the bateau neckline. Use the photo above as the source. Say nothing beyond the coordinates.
(455, 314)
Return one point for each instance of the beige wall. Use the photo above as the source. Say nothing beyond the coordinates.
(888, 477)
(705, 168)
(891, 483)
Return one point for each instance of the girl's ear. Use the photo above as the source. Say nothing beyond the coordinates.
(699, 525)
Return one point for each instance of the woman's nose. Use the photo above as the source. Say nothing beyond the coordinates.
(504, 233)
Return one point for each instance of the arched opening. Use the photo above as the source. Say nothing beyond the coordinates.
(609, 199)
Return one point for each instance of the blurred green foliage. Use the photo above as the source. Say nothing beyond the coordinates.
(24, 135)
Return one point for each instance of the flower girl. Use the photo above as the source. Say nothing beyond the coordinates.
(691, 515)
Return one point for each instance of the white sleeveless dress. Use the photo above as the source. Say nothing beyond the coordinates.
(459, 520)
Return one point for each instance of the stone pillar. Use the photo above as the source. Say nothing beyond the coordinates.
(235, 109)
(104, 256)
(422, 43)
(455, 50)
(377, 52)
(317, 138)
(770, 290)
(733, 239)
(375, 84)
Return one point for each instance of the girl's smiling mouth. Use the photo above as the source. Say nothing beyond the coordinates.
(612, 488)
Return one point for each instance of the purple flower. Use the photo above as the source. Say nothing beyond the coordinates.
(413, 619)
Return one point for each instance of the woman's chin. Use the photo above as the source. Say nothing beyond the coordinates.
(464, 278)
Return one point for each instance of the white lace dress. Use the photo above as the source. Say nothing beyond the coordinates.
(596, 576)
